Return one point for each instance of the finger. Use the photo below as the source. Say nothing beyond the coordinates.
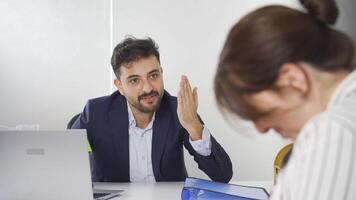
(189, 93)
(179, 93)
(195, 96)
(185, 100)
(179, 100)
(185, 92)
(188, 100)
(182, 86)
(188, 87)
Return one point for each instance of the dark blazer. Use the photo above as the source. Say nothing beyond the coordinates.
(107, 125)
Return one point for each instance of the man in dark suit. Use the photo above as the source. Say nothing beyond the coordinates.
(138, 132)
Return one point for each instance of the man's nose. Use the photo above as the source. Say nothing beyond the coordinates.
(147, 87)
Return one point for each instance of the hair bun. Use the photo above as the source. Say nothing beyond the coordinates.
(324, 10)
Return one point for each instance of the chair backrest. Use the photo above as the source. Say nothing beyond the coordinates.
(71, 121)
(69, 126)
(282, 159)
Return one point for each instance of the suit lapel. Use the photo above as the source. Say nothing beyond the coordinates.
(160, 131)
(119, 123)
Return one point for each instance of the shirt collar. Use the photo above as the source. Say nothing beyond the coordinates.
(132, 121)
(344, 89)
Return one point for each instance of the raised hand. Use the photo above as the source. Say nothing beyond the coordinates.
(187, 109)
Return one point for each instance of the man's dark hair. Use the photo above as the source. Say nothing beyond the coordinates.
(132, 49)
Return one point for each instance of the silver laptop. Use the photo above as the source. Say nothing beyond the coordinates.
(37, 165)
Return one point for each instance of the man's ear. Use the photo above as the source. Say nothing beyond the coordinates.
(293, 75)
(119, 87)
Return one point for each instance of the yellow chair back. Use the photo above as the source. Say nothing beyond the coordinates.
(279, 160)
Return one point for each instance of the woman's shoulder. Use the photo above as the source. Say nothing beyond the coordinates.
(335, 123)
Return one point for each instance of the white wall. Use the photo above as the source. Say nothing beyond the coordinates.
(54, 55)
(347, 17)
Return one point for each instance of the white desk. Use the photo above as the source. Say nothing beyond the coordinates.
(160, 190)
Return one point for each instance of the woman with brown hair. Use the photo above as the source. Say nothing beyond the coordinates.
(291, 71)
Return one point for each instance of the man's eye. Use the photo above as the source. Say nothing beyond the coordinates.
(154, 76)
(134, 81)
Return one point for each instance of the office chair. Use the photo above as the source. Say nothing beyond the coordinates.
(71, 121)
(69, 126)
(281, 159)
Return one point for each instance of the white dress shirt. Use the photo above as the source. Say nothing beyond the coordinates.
(140, 148)
(323, 161)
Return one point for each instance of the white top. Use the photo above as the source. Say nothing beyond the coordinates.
(323, 162)
(140, 147)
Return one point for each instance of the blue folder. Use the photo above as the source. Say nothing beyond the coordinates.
(199, 189)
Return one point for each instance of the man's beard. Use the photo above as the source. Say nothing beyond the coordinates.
(143, 109)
